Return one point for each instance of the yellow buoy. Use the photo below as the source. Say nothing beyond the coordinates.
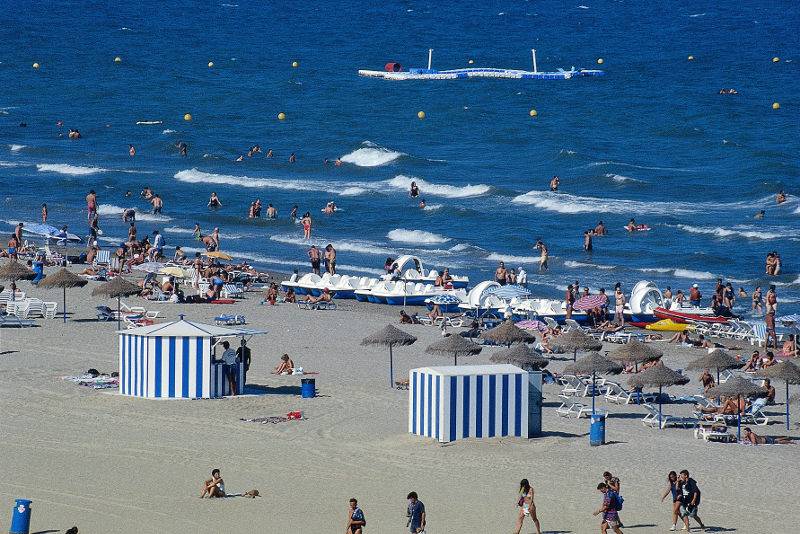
(117, 59)
(35, 65)
(420, 115)
(533, 113)
(470, 62)
(210, 64)
(281, 116)
(776, 105)
(776, 59)
(600, 61)
(690, 58)
(187, 117)
(295, 64)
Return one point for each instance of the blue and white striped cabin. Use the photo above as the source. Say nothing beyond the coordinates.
(174, 360)
(474, 401)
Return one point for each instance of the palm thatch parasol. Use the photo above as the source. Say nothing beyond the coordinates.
(735, 387)
(454, 346)
(574, 341)
(117, 288)
(591, 364)
(390, 336)
(716, 359)
(786, 371)
(635, 352)
(659, 376)
(521, 355)
(63, 279)
(13, 271)
(508, 333)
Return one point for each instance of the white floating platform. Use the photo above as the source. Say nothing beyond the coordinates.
(430, 74)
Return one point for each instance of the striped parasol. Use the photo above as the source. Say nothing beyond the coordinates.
(508, 292)
(590, 302)
(444, 299)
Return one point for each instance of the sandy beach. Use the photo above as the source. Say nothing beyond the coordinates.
(108, 463)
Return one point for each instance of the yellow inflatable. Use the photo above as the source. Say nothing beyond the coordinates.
(667, 325)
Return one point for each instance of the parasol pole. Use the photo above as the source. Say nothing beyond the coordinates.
(787, 405)
(593, 391)
(119, 317)
(65, 304)
(659, 408)
(391, 373)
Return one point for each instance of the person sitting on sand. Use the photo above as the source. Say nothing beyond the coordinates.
(680, 337)
(789, 349)
(325, 296)
(284, 367)
(406, 318)
(214, 487)
(290, 297)
(168, 286)
(751, 438)
(272, 294)
(707, 380)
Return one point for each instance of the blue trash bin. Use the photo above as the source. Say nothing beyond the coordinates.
(308, 388)
(21, 517)
(597, 430)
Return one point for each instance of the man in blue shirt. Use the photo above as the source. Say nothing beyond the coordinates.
(356, 521)
(416, 513)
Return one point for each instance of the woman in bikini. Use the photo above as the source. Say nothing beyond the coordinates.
(526, 506)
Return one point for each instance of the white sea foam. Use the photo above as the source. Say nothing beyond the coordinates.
(741, 231)
(432, 207)
(72, 170)
(176, 230)
(566, 203)
(580, 265)
(352, 191)
(167, 131)
(621, 179)
(680, 273)
(8, 164)
(16, 148)
(371, 155)
(623, 164)
(508, 258)
(194, 176)
(416, 236)
(111, 209)
(696, 15)
(360, 247)
(403, 183)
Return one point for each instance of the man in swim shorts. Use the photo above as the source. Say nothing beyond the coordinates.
(314, 256)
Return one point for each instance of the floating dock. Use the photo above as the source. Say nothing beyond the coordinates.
(394, 71)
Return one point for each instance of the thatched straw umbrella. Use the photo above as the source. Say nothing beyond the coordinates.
(389, 337)
(659, 376)
(454, 346)
(575, 341)
(635, 352)
(117, 288)
(716, 359)
(508, 333)
(591, 364)
(521, 355)
(13, 271)
(786, 371)
(63, 279)
(735, 387)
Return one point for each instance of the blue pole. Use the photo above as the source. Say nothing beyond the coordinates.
(738, 419)
(659, 408)
(787, 405)
(593, 392)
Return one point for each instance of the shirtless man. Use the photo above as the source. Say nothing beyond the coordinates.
(91, 204)
(132, 233)
(554, 182)
(751, 438)
(272, 213)
(600, 229)
(542, 248)
(314, 257)
(780, 198)
(330, 259)
(500, 274)
(157, 203)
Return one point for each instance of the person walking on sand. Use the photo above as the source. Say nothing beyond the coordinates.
(355, 518)
(673, 491)
(609, 510)
(214, 487)
(619, 306)
(415, 513)
(314, 257)
(613, 482)
(526, 507)
(690, 500)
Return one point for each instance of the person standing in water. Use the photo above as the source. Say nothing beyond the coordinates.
(131, 150)
(780, 198)
(307, 222)
(293, 213)
(196, 232)
(542, 248)
(587, 240)
(554, 183)
(314, 258)
(414, 190)
(272, 213)
(526, 507)
(44, 213)
(157, 203)
(330, 259)
(292, 158)
(91, 205)
(213, 201)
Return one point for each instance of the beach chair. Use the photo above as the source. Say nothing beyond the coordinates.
(759, 333)
(572, 324)
(305, 305)
(232, 291)
(571, 386)
(104, 313)
(619, 395)
(230, 320)
(752, 415)
(573, 409)
(651, 419)
(713, 432)
(551, 323)
(599, 386)
(455, 321)
(50, 310)
(10, 321)
(103, 258)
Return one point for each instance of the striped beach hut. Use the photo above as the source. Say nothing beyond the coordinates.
(176, 360)
(474, 401)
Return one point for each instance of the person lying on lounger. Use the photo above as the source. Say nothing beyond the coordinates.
(608, 326)
(286, 366)
(752, 438)
(214, 487)
(728, 407)
(325, 296)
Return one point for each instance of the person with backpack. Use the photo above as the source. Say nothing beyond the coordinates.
(356, 521)
(609, 509)
(614, 485)
(690, 500)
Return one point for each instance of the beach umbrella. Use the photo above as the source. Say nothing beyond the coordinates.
(574, 341)
(177, 272)
(521, 355)
(13, 270)
(716, 359)
(592, 364)
(532, 324)
(635, 352)
(508, 333)
(63, 279)
(444, 299)
(735, 387)
(659, 376)
(148, 267)
(508, 292)
(218, 255)
(786, 371)
(117, 288)
(389, 337)
(590, 302)
(454, 346)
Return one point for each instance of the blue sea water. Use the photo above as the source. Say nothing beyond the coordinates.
(651, 140)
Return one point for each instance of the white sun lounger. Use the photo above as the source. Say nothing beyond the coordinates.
(652, 417)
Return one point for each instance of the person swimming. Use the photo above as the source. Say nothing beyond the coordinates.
(213, 201)
(292, 158)
(780, 198)
(760, 215)
(272, 213)
(414, 192)
(422, 204)
(293, 213)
